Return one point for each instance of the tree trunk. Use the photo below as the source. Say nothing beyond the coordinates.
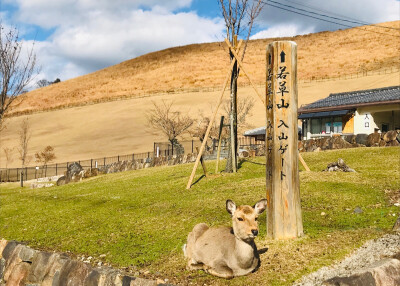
(231, 163)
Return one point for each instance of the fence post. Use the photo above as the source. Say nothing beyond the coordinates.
(22, 177)
(26, 173)
(17, 174)
(192, 146)
(0, 175)
(104, 161)
(118, 158)
(91, 164)
(56, 169)
(133, 156)
(148, 154)
(45, 171)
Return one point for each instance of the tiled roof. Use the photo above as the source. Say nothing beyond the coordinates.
(385, 94)
(254, 132)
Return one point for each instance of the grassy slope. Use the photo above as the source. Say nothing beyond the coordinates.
(324, 54)
(140, 219)
(119, 127)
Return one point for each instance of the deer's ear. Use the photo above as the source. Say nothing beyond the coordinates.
(230, 207)
(260, 206)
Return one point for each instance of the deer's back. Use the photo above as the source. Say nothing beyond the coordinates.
(214, 244)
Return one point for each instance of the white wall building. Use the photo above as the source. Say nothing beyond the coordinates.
(352, 113)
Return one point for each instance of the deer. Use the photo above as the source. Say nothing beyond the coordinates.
(226, 252)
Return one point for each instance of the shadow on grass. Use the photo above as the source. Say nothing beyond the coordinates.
(198, 180)
(251, 162)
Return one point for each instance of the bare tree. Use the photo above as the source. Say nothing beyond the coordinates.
(171, 122)
(45, 156)
(24, 137)
(16, 71)
(244, 108)
(239, 18)
(8, 152)
(43, 83)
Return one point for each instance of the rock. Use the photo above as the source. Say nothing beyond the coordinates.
(392, 143)
(61, 181)
(73, 172)
(396, 226)
(16, 256)
(318, 149)
(19, 274)
(44, 267)
(3, 244)
(382, 143)
(73, 273)
(362, 139)
(340, 165)
(381, 273)
(390, 136)
(373, 139)
(358, 210)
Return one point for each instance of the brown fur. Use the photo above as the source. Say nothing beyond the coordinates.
(226, 252)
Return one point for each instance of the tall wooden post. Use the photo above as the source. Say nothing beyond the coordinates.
(284, 219)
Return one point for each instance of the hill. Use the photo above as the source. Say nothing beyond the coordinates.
(320, 55)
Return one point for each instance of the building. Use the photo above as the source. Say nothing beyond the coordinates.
(352, 113)
(347, 113)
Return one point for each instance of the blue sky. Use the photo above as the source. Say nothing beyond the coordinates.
(76, 37)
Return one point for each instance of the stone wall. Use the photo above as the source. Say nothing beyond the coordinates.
(390, 138)
(22, 265)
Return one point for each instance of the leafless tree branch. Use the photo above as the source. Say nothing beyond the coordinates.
(15, 73)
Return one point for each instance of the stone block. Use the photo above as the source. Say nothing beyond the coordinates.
(385, 272)
(9, 249)
(390, 136)
(102, 277)
(18, 275)
(46, 267)
(3, 244)
(73, 273)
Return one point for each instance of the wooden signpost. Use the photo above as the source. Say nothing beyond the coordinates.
(284, 219)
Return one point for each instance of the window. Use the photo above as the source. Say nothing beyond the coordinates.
(385, 127)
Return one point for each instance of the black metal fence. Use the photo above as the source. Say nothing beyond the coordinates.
(160, 149)
(30, 173)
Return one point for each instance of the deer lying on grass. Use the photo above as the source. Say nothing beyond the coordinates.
(227, 252)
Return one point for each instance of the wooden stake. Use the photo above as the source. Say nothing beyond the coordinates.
(221, 125)
(202, 162)
(211, 121)
(303, 163)
(242, 68)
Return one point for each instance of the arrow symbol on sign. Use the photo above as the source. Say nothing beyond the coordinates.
(283, 57)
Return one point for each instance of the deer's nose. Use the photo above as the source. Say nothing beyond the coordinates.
(254, 232)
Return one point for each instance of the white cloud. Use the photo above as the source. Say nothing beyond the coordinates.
(370, 11)
(93, 34)
(282, 31)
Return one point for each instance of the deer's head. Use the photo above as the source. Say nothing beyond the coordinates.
(244, 219)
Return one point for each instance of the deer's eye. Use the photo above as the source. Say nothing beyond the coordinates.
(240, 219)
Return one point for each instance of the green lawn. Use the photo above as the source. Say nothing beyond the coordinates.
(140, 219)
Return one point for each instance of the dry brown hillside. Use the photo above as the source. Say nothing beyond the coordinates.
(324, 54)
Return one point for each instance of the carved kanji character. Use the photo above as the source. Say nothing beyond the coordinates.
(283, 105)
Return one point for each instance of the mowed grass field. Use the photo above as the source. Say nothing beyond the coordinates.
(120, 127)
(140, 219)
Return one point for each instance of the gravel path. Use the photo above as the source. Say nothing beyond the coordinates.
(371, 251)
